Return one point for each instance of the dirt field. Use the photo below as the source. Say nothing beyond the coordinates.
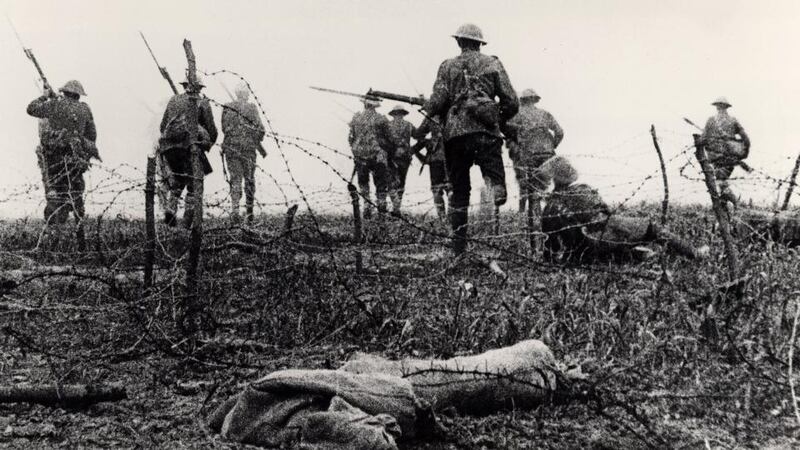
(672, 361)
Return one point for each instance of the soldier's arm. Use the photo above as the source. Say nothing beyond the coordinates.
(745, 138)
(385, 136)
(351, 136)
(226, 119)
(509, 103)
(41, 107)
(90, 132)
(420, 132)
(167, 113)
(707, 130)
(255, 117)
(558, 132)
(438, 103)
(207, 121)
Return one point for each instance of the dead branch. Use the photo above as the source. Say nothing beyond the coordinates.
(790, 189)
(719, 208)
(73, 396)
(665, 202)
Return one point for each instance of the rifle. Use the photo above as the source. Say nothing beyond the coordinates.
(746, 167)
(416, 149)
(419, 100)
(29, 54)
(161, 68)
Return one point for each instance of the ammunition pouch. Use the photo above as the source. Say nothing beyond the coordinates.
(484, 110)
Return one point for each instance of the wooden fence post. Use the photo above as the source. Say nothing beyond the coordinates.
(356, 224)
(719, 208)
(665, 202)
(790, 189)
(150, 221)
(191, 309)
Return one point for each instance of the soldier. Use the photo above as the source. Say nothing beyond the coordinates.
(175, 148)
(581, 227)
(67, 145)
(371, 141)
(473, 97)
(727, 145)
(402, 131)
(434, 158)
(537, 134)
(244, 131)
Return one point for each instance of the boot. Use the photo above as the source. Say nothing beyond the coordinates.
(249, 214)
(459, 220)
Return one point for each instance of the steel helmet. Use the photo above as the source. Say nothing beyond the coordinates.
(560, 170)
(199, 80)
(721, 101)
(398, 109)
(470, 31)
(529, 93)
(73, 87)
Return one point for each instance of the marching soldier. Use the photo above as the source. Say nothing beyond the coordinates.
(371, 141)
(473, 97)
(537, 135)
(67, 145)
(176, 150)
(581, 227)
(402, 132)
(244, 131)
(727, 145)
(434, 158)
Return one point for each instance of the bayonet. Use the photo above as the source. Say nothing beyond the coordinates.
(161, 68)
(29, 54)
(334, 91)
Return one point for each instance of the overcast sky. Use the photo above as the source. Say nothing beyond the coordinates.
(606, 70)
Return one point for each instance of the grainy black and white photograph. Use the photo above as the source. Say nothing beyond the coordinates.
(356, 224)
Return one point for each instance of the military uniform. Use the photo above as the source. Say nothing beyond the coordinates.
(244, 131)
(402, 131)
(726, 144)
(434, 158)
(464, 98)
(370, 140)
(67, 144)
(580, 227)
(175, 149)
(537, 134)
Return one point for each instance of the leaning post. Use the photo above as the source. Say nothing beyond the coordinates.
(150, 221)
(790, 189)
(191, 309)
(356, 224)
(719, 208)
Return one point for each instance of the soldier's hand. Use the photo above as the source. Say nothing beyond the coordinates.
(48, 92)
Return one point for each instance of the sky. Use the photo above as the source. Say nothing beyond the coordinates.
(606, 70)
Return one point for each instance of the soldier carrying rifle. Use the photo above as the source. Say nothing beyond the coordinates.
(402, 131)
(243, 134)
(371, 141)
(474, 98)
(67, 145)
(175, 148)
(727, 145)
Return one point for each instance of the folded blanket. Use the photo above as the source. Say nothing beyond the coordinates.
(372, 402)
